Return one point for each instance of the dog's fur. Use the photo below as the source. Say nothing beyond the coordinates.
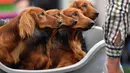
(53, 12)
(18, 29)
(77, 15)
(87, 8)
(34, 57)
(64, 46)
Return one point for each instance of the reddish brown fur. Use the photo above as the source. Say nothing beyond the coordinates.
(87, 8)
(53, 12)
(37, 58)
(21, 27)
(72, 57)
(56, 13)
(69, 13)
(61, 54)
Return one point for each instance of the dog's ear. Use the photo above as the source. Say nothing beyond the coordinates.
(74, 4)
(26, 25)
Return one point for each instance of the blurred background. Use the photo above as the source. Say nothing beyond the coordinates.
(10, 9)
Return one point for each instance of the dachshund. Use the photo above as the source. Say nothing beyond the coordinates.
(87, 8)
(19, 29)
(64, 46)
(34, 56)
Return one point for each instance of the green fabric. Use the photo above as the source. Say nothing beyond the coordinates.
(126, 69)
(7, 7)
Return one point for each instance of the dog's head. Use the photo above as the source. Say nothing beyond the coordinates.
(56, 14)
(87, 8)
(34, 17)
(78, 20)
(53, 12)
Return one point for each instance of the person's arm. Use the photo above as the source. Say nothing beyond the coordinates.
(113, 65)
(115, 30)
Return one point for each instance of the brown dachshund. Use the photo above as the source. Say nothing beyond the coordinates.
(20, 28)
(64, 46)
(87, 8)
(34, 56)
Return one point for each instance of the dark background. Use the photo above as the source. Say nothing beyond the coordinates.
(45, 4)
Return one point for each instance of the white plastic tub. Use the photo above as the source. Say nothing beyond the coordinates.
(70, 68)
(91, 63)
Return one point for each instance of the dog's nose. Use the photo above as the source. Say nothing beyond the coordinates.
(96, 14)
(74, 22)
(90, 25)
(59, 22)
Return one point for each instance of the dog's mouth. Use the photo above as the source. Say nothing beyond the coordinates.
(85, 29)
(58, 24)
(68, 26)
(90, 25)
(47, 27)
(95, 16)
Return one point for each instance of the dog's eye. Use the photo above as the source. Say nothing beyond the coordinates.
(75, 14)
(42, 14)
(58, 14)
(84, 5)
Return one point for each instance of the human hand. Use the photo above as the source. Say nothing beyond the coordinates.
(113, 65)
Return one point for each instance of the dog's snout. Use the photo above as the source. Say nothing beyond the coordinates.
(90, 25)
(74, 22)
(59, 22)
(96, 14)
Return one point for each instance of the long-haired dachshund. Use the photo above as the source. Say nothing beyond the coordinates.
(34, 56)
(87, 8)
(18, 29)
(64, 46)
